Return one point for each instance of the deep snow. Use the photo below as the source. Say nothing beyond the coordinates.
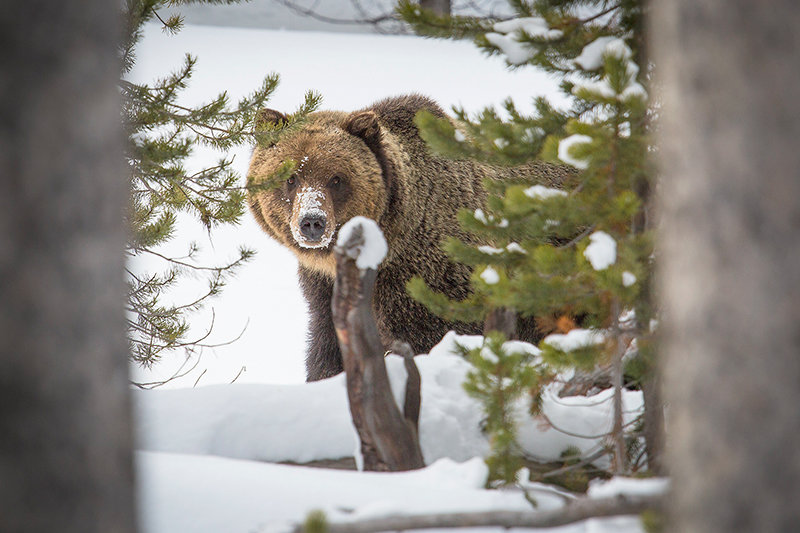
(186, 485)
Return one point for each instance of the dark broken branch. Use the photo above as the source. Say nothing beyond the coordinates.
(388, 442)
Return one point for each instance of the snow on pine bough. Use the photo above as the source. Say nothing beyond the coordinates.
(388, 438)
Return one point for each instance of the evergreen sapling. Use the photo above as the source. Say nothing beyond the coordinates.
(581, 254)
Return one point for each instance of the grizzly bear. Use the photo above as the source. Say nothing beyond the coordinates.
(373, 163)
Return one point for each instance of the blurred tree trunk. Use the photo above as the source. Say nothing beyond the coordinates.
(731, 260)
(65, 443)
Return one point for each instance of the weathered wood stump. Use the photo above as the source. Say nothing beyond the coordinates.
(389, 440)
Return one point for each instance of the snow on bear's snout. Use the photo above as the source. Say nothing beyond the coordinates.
(312, 219)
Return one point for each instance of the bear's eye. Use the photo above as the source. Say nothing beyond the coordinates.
(291, 181)
(335, 181)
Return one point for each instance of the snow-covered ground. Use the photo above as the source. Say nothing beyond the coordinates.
(202, 450)
(186, 485)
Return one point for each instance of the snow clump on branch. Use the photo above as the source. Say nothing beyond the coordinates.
(609, 48)
(509, 33)
(602, 252)
(373, 247)
(575, 339)
(564, 154)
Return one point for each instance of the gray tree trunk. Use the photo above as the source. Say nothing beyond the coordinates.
(730, 275)
(65, 437)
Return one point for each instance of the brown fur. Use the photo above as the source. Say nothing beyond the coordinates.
(386, 173)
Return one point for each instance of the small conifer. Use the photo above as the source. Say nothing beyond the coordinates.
(161, 136)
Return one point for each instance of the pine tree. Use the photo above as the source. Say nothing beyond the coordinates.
(162, 134)
(582, 253)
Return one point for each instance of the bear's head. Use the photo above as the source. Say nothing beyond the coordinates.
(340, 171)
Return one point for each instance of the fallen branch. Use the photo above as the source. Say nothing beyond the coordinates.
(575, 511)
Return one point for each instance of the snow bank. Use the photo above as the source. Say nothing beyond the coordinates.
(212, 494)
(302, 423)
(190, 490)
(298, 423)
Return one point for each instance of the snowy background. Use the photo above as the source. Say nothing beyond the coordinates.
(206, 452)
(351, 71)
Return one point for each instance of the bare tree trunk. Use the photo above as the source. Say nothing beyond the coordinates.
(65, 443)
(731, 260)
(388, 438)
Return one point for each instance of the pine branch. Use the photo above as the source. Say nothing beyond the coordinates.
(575, 511)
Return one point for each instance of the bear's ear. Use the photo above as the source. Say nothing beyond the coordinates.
(364, 124)
(269, 119)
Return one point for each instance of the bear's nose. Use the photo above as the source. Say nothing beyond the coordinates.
(312, 227)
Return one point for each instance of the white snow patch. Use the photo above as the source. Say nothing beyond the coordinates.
(541, 192)
(483, 218)
(515, 247)
(617, 48)
(625, 486)
(533, 26)
(491, 250)
(602, 252)
(500, 143)
(373, 249)
(599, 87)
(628, 278)
(575, 339)
(591, 57)
(566, 145)
(257, 422)
(518, 52)
(490, 275)
(212, 494)
(633, 90)
(459, 136)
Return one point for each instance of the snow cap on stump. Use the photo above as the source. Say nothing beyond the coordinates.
(372, 249)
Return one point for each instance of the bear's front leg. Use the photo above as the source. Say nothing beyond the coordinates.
(323, 358)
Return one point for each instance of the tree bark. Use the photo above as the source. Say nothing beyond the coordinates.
(388, 438)
(65, 435)
(730, 271)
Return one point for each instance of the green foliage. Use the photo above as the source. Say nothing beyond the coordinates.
(499, 377)
(542, 237)
(316, 522)
(162, 134)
